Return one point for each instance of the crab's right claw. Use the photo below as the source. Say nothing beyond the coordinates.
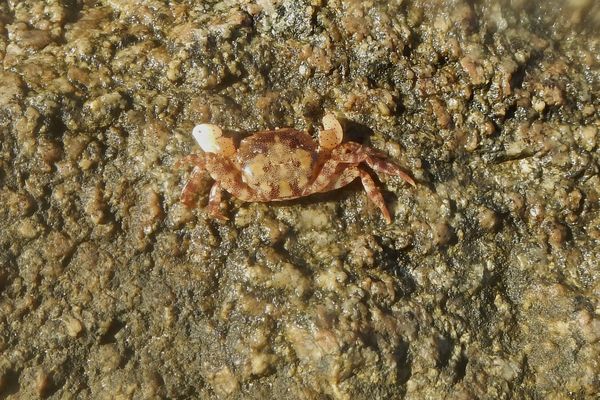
(206, 135)
(332, 134)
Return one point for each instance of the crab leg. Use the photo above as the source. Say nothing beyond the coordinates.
(214, 202)
(386, 167)
(354, 153)
(194, 159)
(346, 176)
(194, 182)
(351, 173)
(323, 178)
(374, 194)
(192, 186)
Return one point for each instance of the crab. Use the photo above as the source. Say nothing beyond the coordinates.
(283, 164)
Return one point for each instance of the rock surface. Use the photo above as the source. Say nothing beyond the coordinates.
(486, 285)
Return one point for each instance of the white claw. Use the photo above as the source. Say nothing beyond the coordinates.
(206, 135)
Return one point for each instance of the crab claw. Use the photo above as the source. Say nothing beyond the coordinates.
(206, 135)
(211, 140)
(225, 146)
(332, 134)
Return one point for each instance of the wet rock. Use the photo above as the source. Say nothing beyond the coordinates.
(484, 284)
(103, 110)
(58, 245)
(442, 233)
(73, 326)
(488, 219)
(29, 228)
(43, 383)
(223, 382)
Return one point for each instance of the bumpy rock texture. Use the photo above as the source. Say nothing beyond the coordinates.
(487, 284)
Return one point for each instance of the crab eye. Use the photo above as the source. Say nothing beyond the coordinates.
(206, 135)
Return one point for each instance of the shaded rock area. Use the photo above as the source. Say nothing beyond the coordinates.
(485, 286)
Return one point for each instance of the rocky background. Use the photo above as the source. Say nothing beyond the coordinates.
(486, 285)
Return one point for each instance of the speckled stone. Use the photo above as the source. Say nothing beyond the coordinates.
(485, 286)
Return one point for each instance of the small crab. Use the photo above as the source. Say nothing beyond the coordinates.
(283, 164)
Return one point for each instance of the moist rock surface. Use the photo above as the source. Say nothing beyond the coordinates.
(486, 285)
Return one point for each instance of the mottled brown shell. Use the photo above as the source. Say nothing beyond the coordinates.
(278, 164)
